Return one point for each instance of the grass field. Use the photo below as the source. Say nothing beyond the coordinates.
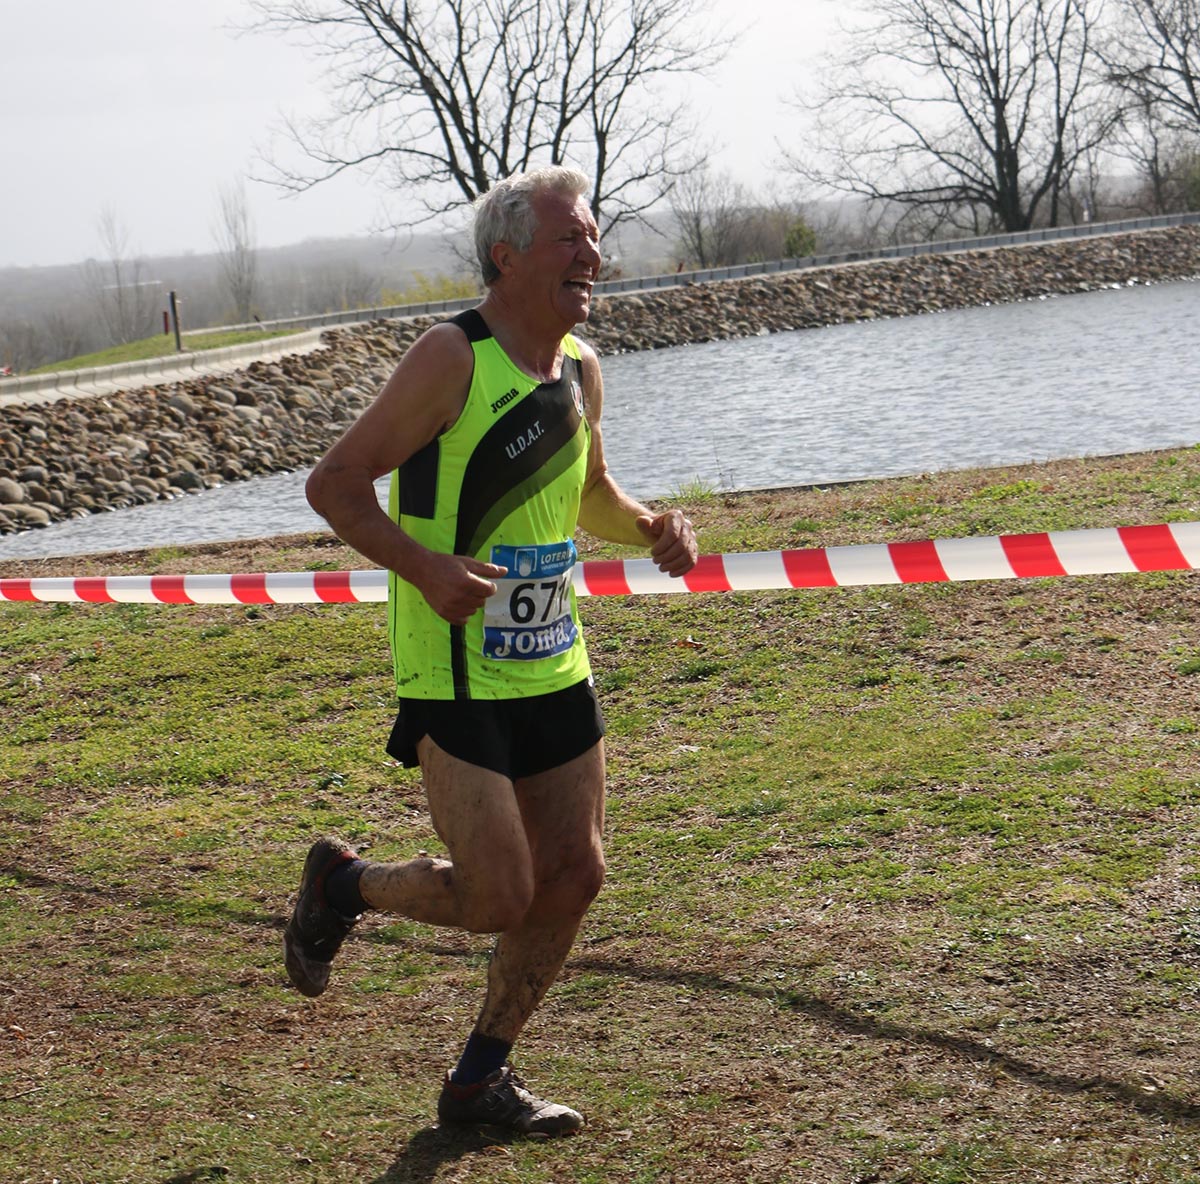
(902, 880)
(162, 345)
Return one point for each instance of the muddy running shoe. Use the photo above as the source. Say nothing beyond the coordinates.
(502, 1100)
(316, 931)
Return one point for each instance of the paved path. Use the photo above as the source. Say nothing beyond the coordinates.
(106, 380)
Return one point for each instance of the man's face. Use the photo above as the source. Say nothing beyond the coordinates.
(563, 260)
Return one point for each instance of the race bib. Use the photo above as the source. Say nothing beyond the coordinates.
(529, 616)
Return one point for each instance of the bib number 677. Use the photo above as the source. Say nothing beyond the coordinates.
(523, 604)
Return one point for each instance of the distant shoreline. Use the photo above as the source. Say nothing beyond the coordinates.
(75, 457)
(301, 550)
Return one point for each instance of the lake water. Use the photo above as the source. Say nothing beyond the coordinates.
(1084, 375)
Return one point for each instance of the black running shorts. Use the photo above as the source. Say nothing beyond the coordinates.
(514, 737)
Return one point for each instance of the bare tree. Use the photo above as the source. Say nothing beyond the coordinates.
(449, 96)
(719, 222)
(118, 287)
(1162, 155)
(851, 224)
(237, 256)
(21, 346)
(973, 114)
(1156, 58)
(336, 287)
(65, 335)
(710, 217)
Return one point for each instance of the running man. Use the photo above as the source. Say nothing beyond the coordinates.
(490, 426)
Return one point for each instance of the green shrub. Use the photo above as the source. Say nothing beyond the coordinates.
(801, 241)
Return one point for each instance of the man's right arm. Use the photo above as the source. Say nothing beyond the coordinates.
(423, 397)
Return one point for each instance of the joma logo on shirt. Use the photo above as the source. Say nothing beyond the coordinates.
(533, 643)
(504, 400)
(524, 440)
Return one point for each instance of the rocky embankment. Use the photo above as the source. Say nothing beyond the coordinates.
(79, 456)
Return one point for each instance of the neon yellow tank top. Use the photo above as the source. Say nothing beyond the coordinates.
(502, 485)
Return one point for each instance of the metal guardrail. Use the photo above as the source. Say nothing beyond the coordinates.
(746, 270)
(28, 388)
(943, 247)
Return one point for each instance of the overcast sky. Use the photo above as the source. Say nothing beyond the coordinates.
(150, 107)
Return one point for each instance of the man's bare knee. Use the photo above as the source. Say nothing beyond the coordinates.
(588, 879)
(570, 890)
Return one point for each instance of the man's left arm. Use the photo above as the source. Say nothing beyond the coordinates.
(608, 512)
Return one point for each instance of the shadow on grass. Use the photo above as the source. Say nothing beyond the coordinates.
(31, 878)
(831, 1015)
(432, 1147)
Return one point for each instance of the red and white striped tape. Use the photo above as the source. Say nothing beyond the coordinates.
(996, 557)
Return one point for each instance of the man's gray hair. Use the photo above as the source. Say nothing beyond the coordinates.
(505, 213)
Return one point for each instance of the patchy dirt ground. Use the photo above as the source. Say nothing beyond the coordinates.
(937, 972)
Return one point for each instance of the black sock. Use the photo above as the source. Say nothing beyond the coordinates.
(341, 888)
(481, 1058)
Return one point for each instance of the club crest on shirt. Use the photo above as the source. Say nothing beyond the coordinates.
(577, 396)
